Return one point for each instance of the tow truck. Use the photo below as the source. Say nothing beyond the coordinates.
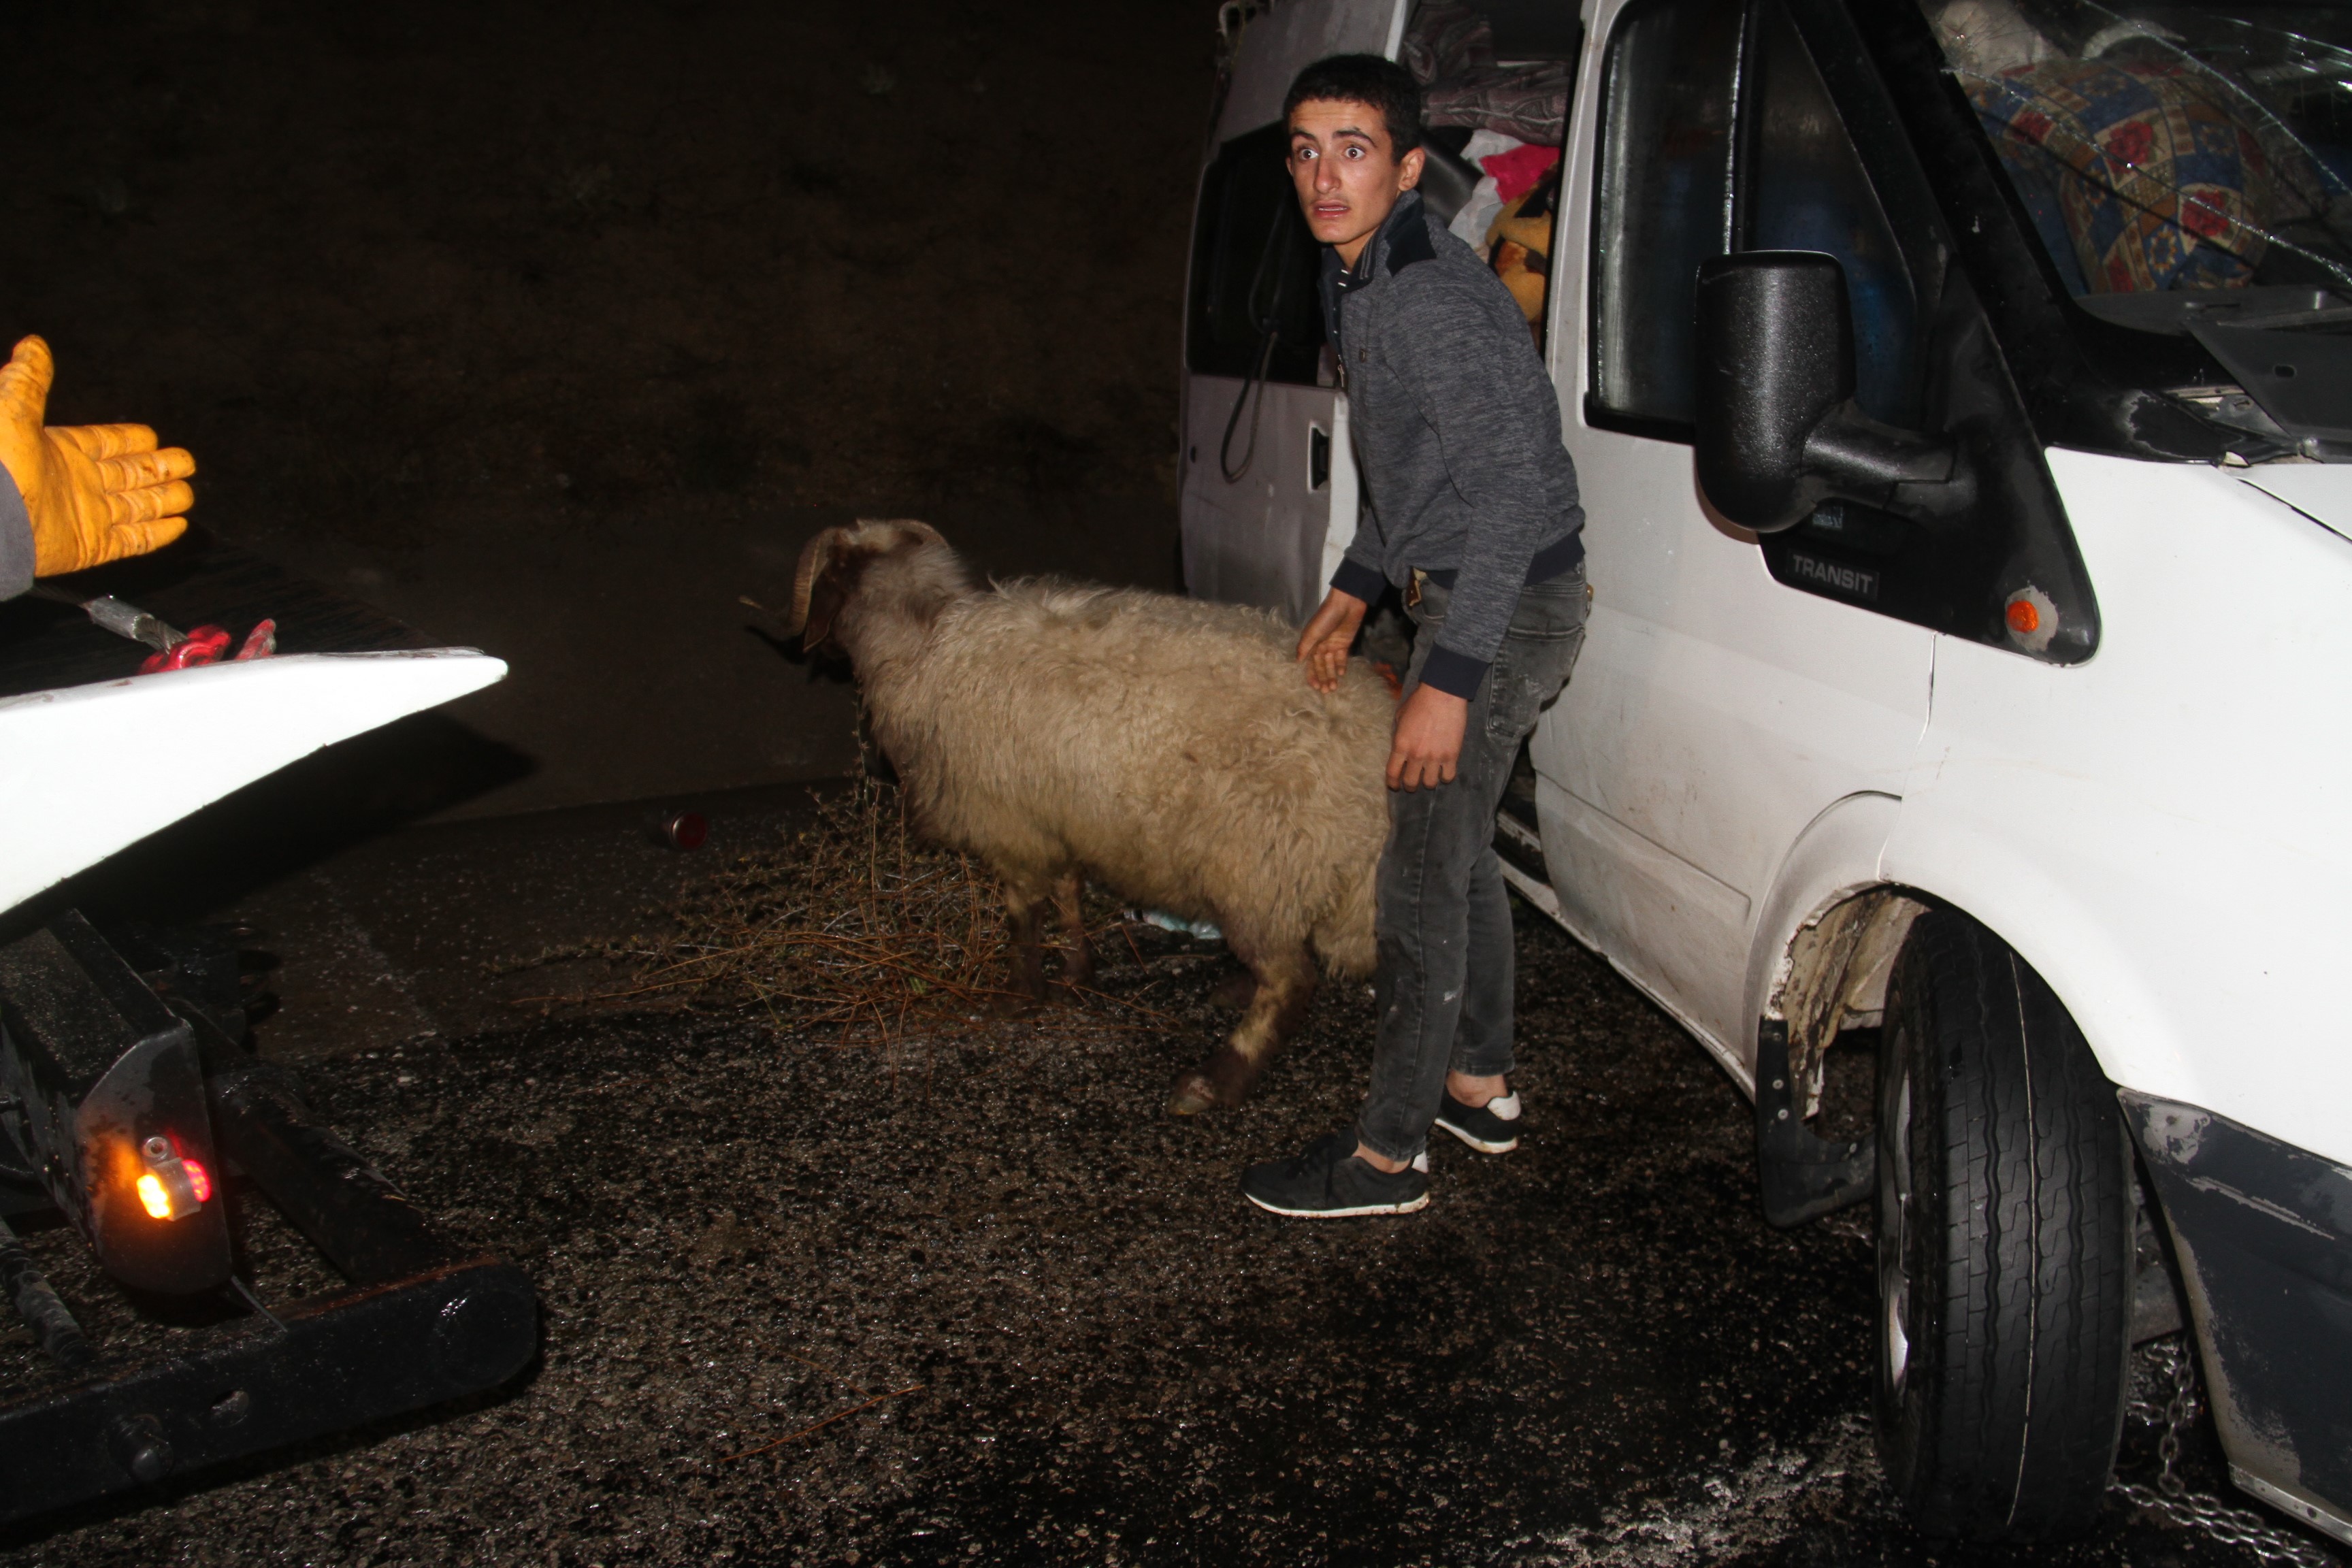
(136, 1113)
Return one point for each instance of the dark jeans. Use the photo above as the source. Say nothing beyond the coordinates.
(1444, 923)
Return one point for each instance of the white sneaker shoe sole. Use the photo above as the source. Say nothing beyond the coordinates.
(1478, 1144)
(1415, 1206)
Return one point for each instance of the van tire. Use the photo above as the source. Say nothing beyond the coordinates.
(2004, 1246)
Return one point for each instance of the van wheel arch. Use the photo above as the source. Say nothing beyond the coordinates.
(1834, 974)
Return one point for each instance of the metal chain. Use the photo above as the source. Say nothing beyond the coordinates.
(2170, 1501)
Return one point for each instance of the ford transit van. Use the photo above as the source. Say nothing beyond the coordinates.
(1961, 394)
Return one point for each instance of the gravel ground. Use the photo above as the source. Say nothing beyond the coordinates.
(978, 1299)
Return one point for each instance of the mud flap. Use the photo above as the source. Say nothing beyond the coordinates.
(1802, 1175)
(2262, 1231)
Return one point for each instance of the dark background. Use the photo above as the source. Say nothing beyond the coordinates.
(556, 328)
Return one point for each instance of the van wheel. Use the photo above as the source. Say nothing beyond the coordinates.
(2004, 1246)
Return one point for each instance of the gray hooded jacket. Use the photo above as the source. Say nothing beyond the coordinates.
(1457, 433)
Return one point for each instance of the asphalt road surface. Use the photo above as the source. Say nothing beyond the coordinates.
(977, 1299)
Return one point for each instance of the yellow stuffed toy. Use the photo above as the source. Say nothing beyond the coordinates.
(1520, 241)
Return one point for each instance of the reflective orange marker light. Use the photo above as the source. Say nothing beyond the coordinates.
(2023, 618)
(174, 1186)
(153, 1198)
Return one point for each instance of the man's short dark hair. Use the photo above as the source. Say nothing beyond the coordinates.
(1369, 79)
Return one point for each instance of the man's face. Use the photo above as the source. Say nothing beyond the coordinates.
(1347, 171)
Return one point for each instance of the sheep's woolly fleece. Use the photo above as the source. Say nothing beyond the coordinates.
(1170, 747)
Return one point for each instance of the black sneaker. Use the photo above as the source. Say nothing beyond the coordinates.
(1329, 1181)
(1491, 1129)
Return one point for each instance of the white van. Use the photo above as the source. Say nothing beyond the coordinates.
(1962, 397)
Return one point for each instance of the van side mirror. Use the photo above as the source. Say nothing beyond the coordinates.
(1779, 431)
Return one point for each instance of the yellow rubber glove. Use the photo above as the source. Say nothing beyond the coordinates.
(95, 492)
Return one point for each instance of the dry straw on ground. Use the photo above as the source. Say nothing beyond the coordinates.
(853, 924)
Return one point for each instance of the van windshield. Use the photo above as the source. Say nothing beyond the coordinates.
(2170, 155)
(2189, 171)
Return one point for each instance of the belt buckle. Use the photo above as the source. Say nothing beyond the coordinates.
(1412, 590)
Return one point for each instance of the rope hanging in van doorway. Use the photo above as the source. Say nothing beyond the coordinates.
(1269, 325)
(1256, 379)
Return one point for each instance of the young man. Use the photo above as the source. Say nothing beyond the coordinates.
(1472, 512)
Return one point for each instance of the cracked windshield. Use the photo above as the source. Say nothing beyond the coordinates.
(2171, 149)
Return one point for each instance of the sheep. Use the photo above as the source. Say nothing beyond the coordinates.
(1168, 747)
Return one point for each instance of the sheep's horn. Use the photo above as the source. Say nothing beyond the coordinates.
(921, 529)
(815, 556)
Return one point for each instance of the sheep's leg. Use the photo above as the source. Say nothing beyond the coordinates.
(1024, 919)
(1235, 992)
(1285, 986)
(1077, 955)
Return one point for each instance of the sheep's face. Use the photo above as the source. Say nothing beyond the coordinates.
(901, 569)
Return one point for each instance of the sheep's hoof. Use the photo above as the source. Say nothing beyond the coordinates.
(1224, 1079)
(1192, 1094)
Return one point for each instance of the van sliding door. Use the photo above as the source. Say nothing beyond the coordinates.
(1269, 483)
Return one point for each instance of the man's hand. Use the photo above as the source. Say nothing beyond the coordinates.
(95, 492)
(1428, 743)
(1323, 646)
